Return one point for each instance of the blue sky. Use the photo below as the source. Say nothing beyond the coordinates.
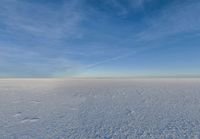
(99, 38)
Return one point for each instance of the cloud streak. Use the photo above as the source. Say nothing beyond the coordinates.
(68, 37)
(40, 21)
(172, 20)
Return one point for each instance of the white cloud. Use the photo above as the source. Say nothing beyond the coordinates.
(40, 20)
(24, 62)
(175, 19)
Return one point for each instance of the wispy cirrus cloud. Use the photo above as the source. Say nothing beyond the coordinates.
(29, 30)
(175, 19)
(69, 37)
(44, 21)
(15, 62)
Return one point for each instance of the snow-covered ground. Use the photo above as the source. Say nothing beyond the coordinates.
(99, 108)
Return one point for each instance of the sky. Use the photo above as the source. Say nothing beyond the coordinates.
(99, 38)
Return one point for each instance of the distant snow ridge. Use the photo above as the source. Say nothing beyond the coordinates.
(100, 109)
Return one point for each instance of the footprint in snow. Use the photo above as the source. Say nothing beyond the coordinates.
(129, 112)
(17, 114)
(35, 101)
(29, 120)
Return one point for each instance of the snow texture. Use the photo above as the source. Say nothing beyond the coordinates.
(99, 108)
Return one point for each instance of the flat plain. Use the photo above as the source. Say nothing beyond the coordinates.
(153, 108)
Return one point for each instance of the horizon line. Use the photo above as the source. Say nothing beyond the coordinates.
(107, 77)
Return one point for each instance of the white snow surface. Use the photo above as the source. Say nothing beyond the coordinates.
(100, 108)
